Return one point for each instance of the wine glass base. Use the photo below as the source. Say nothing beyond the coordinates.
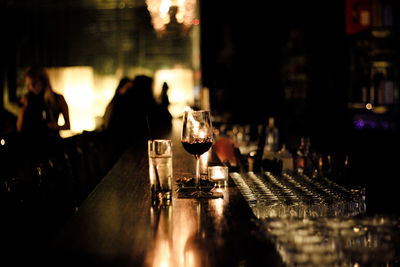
(201, 194)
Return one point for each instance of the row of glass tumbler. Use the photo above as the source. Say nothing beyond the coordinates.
(291, 195)
(333, 241)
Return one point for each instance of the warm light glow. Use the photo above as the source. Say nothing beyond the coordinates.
(187, 108)
(195, 123)
(2, 142)
(190, 258)
(161, 219)
(160, 17)
(162, 253)
(180, 93)
(76, 84)
(184, 226)
(219, 206)
(164, 8)
(205, 98)
(87, 95)
(204, 163)
(104, 90)
(159, 13)
(177, 96)
(368, 106)
(186, 12)
(218, 173)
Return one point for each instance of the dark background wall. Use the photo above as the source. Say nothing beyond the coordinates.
(111, 36)
(287, 59)
(248, 54)
(293, 60)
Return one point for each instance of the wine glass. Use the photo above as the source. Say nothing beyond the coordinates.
(197, 138)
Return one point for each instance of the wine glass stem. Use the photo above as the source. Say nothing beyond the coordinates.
(197, 172)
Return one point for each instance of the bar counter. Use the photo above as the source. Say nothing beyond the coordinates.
(118, 226)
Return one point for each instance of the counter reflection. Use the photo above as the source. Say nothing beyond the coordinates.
(180, 238)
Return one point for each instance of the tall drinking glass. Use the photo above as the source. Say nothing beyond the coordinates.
(160, 169)
(197, 138)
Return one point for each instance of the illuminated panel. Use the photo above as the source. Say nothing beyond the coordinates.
(76, 84)
(78, 91)
(104, 90)
(87, 95)
(180, 93)
(160, 17)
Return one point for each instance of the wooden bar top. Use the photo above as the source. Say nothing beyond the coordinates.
(117, 225)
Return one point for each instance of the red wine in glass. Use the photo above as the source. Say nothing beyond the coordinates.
(197, 146)
(196, 138)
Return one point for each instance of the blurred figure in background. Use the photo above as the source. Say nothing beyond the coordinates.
(37, 122)
(164, 96)
(124, 85)
(136, 115)
(41, 107)
(157, 115)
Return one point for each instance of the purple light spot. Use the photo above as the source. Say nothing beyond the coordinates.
(372, 124)
(359, 124)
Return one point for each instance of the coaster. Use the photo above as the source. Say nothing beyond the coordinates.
(207, 194)
(186, 189)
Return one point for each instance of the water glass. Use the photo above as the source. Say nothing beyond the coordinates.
(160, 169)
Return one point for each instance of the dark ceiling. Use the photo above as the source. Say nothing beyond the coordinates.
(97, 4)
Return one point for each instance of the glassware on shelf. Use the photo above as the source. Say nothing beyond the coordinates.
(291, 195)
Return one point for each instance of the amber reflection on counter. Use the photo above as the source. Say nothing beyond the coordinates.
(179, 237)
(171, 232)
(161, 219)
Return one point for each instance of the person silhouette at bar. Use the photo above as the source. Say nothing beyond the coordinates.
(37, 120)
(41, 107)
(164, 95)
(135, 112)
(124, 85)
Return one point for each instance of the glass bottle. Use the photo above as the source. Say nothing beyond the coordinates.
(286, 157)
(271, 136)
(301, 155)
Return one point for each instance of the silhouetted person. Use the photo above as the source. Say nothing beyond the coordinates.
(133, 111)
(157, 115)
(124, 85)
(164, 95)
(38, 116)
(41, 107)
